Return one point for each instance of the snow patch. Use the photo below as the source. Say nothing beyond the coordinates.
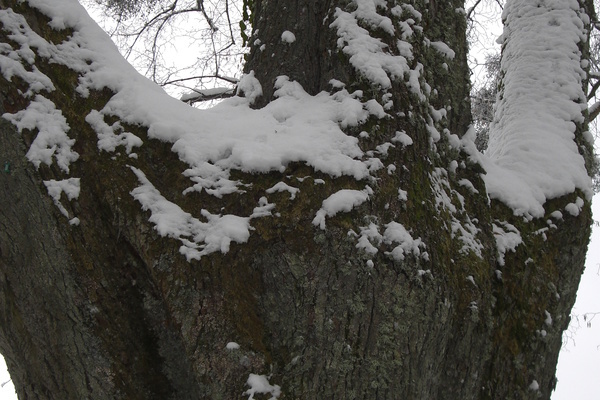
(232, 346)
(443, 49)
(507, 239)
(534, 386)
(402, 138)
(467, 233)
(575, 208)
(107, 139)
(260, 384)
(341, 201)
(396, 233)
(288, 37)
(548, 320)
(467, 183)
(368, 236)
(284, 187)
(201, 94)
(532, 155)
(250, 87)
(367, 54)
(52, 140)
(70, 187)
(198, 238)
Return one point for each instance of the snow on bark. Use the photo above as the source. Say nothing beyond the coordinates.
(260, 384)
(367, 53)
(396, 233)
(107, 139)
(70, 187)
(341, 201)
(51, 141)
(198, 238)
(532, 151)
(294, 127)
(288, 37)
(532, 154)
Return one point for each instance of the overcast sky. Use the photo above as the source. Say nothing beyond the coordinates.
(579, 362)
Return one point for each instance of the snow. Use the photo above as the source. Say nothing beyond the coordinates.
(556, 215)
(284, 187)
(535, 386)
(199, 93)
(70, 187)
(468, 184)
(368, 236)
(366, 10)
(341, 201)
(288, 37)
(532, 155)
(396, 233)
(366, 52)
(574, 208)
(52, 140)
(296, 127)
(402, 195)
(467, 232)
(402, 138)
(443, 49)
(507, 239)
(232, 346)
(260, 384)
(250, 87)
(548, 320)
(198, 238)
(107, 139)
(264, 208)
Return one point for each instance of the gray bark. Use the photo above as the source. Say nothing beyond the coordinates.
(111, 310)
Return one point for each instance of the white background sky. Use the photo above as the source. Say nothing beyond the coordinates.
(579, 363)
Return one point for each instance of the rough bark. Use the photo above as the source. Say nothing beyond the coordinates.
(109, 309)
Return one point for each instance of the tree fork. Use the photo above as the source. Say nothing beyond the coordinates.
(110, 309)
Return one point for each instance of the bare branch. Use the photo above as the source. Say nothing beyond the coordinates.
(593, 111)
(470, 12)
(593, 90)
(199, 77)
(205, 95)
(200, 4)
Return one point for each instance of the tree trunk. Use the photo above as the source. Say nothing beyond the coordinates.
(104, 307)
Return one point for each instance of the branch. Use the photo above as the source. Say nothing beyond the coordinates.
(472, 9)
(216, 76)
(229, 22)
(593, 89)
(200, 4)
(593, 111)
(198, 95)
(148, 24)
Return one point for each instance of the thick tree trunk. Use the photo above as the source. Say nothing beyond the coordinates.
(109, 309)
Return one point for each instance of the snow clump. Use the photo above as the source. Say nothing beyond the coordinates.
(260, 384)
(288, 37)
